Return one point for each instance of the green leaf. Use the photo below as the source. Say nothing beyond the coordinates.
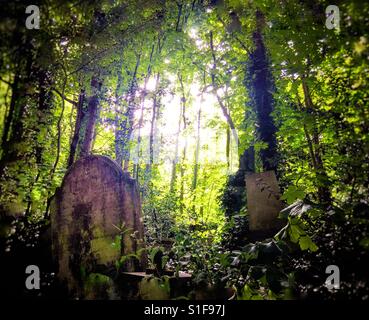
(247, 293)
(295, 232)
(293, 193)
(250, 252)
(306, 243)
(164, 261)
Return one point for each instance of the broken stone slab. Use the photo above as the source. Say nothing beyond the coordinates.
(95, 219)
(263, 204)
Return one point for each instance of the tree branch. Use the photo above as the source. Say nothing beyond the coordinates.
(235, 37)
(5, 81)
(64, 97)
(225, 110)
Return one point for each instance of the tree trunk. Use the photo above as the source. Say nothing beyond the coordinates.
(175, 160)
(117, 132)
(197, 152)
(77, 128)
(136, 167)
(182, 171)
(196, 164)
(13, 131)
(129, 116)
(90, 126)
(92, 108)
(261, 87)
(315, 150)
(223, 107)
(153, 124)
(9, 118)
(154, 118)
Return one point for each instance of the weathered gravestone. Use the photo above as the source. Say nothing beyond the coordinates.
(94, 214)
(263, 204)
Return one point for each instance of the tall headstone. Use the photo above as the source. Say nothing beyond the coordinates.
(263, 204)
(95, 219)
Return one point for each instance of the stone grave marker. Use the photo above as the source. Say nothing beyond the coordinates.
(263, 204)
(94, 214)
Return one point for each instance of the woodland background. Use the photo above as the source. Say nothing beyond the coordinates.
(171, 88)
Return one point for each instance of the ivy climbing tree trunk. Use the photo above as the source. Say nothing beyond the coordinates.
(13, 131)
(10, 114)
(261, 86)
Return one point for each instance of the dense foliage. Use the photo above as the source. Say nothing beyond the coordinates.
(173, 90)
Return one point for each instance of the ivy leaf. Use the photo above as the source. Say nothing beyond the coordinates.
(306, 243)
(293, 193)
(295, 232)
